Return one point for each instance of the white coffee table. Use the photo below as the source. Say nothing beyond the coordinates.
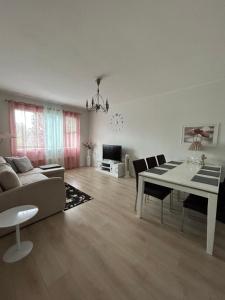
(14, 217)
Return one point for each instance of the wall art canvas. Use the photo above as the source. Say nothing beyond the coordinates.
(207, 132)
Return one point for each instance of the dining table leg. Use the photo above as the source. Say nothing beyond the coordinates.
(211, 222)
(141, 184)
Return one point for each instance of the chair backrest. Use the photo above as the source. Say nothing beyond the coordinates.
(161, 159)
(220, 215)
(221, 195)
(152, 162)
(139, 166)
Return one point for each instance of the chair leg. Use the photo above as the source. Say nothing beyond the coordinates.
(179, 196)
(171, 200)
(182, 221)
(161, 211)
(145, 198)
(135, 204)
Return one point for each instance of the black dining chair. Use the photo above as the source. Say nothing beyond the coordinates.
(150, 189)
(151, 162)
(200, 204)
(161, 159)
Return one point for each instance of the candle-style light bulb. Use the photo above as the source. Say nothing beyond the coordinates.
(107, 105)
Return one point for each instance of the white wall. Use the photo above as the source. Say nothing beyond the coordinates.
(154, 125)
(4, 121)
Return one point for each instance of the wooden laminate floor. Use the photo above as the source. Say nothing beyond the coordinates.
(101, 250)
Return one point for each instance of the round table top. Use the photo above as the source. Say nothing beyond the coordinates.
(17, 215)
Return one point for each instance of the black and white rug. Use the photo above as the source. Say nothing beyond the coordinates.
(75, 197)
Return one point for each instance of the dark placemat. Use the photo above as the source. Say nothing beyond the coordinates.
(209, 173)
(211, 168)
(169, 167)
(175, 162)
(156, 171)
(206, 180)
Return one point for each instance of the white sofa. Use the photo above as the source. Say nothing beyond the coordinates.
(45, 189)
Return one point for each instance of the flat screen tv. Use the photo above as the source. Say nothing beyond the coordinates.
(112, 152)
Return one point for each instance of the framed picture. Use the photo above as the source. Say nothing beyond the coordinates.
(207, 132)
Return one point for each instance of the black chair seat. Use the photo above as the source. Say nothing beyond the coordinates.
(156, 191)
(200, 204)
(197, 203)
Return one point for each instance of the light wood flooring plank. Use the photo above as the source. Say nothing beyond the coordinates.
(101, 250)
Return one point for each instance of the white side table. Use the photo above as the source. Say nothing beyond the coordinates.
(14, 217)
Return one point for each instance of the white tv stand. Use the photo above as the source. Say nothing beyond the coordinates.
(110, 167)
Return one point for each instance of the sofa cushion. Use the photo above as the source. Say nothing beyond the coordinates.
(32, 178)
(9, 160)
(23, 164)
(33, 171)
(8, 178)
(2, 160)
(57, 172)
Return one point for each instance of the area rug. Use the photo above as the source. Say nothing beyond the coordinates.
(75, 197)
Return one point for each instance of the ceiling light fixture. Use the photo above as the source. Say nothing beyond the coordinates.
(97, 101)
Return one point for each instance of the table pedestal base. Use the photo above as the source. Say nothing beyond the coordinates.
(15, 253)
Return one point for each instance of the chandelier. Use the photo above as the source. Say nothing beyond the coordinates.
(97, 101)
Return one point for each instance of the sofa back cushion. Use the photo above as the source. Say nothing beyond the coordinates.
(8, 178)
(2, 161)
(9, 160)
(23, 164)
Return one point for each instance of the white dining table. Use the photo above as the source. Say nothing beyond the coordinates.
(180, 178)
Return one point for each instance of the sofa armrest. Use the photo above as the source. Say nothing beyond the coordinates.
(48, 195)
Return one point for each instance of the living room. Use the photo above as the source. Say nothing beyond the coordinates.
(112, 149)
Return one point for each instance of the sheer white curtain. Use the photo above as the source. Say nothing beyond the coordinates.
(54, 148)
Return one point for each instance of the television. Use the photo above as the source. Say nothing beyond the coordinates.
(112, 152)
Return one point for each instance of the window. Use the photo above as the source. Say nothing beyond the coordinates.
(29, 129)
(45, 135)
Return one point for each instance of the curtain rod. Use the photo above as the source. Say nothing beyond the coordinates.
(49, 106)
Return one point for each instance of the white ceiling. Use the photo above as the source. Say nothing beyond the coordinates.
(54, 49)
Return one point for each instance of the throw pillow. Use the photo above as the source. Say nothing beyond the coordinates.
(8, 178)
(9, 160)
(23, 164)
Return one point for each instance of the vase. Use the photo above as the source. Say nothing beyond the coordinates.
(88, 157)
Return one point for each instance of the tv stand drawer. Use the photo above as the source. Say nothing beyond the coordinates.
(105, 169)
(106, 165)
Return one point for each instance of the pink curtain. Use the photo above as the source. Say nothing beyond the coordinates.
(27, 127)
(71, 124)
